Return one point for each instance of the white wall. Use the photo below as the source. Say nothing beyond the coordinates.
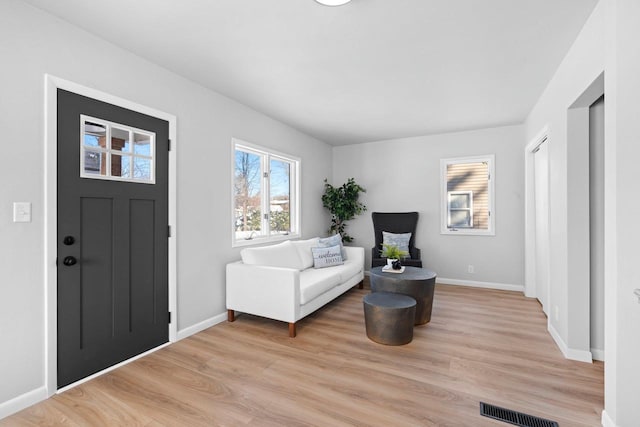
(622, 209)
(33, 43)
(404, 175)
(608, 42)
(569, 293)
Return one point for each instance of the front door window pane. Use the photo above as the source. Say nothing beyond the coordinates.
(141, 168)
(94, 163)
(94, 135)
(142, 144)
(120, 140)
(121, 166)
(107, 152)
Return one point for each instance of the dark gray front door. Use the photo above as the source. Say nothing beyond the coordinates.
(112, 235)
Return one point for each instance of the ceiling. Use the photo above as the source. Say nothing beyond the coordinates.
(367, 71)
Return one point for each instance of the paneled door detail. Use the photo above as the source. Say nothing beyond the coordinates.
(112, 235)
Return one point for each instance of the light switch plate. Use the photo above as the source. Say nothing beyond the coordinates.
(21, 212)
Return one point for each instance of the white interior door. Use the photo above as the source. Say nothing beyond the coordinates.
(541, 183)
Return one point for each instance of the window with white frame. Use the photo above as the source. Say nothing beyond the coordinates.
(460, 209)
(265, 195)
(468, 195)
(116, 152)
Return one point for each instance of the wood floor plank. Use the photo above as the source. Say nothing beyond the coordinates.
(481, 345)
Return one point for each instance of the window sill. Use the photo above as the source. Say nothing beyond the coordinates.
(463, 232)
(263, 240)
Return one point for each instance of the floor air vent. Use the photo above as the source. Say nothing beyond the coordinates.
(513, 417)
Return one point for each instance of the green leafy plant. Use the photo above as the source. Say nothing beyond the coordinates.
(343, 204)
(392, 252)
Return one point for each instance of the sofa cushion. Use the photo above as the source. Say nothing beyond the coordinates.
(349, 269)
(315, 282)
(327, 257)
(283, 255)
(304, 250)
(336, 239)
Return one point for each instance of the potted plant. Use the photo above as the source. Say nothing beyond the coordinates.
(393, 255)
(343, 204)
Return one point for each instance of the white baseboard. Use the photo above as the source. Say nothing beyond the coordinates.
(475, 284)
(23, 401)
(569, 353)
(606, 420)
(201, 326)
(597, 354)
(32, 397)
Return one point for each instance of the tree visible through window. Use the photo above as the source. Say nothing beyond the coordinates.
(467, 188)
(264, 194)
(248, 192)
(280, 196)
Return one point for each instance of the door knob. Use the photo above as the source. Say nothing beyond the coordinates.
(69, 261)
(69, 240)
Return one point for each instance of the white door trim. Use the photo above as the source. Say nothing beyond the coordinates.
(51, 85)
(529, 212)
(542, 235)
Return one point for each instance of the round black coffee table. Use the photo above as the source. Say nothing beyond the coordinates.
(415, 282)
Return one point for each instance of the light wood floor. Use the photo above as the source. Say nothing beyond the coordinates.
(481, 345)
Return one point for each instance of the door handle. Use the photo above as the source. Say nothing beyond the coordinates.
(69, 261)
(69, 240)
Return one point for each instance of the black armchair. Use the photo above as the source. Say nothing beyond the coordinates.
(401, 222)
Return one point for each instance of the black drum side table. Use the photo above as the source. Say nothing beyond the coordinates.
(418, 283)
(389, 317)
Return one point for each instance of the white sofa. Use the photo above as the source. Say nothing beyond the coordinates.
(279, 281)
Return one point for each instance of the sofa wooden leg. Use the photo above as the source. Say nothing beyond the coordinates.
(361, 284)
(292, 330)
(231, 315)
